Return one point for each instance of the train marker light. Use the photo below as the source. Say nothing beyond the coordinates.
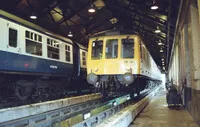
(96, 69)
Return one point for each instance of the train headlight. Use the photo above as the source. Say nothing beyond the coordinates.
(92, 78)
(128, 78)
(96, 69)
(128, 68)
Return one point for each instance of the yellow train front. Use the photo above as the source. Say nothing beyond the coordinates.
(118, 60)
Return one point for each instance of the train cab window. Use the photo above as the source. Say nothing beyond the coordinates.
(111, 48)
(12, 37)
(97, 49)
(127, 48)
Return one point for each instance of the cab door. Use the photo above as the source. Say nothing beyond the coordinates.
(13, 48)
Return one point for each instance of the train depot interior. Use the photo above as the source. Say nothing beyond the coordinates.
(100, 63)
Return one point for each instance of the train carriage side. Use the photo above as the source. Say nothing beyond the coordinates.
(30, 51)
(148, 68)
(30, 54)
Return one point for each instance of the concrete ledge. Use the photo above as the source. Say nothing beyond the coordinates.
(9, 114)
(127, 115)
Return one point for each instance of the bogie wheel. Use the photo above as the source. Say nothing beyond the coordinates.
(23, 92)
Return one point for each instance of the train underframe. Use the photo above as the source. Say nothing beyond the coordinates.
(114, 83)
(39, 88)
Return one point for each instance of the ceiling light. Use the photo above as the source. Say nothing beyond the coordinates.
(154, 5)
(160, 42)
(33, 16)
(162, 59)
(157, 30)
(70, 34)
(91, 9)
(161, 50)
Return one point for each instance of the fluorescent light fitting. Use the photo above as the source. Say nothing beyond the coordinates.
(157, 31)
(91, 9)
(33, 16)
(154, 7)
(70, 34)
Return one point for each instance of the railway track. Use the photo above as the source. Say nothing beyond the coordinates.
(52, 112)
(12, 101)
(138, 104)
(76, 111)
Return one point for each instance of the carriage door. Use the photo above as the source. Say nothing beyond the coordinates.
(13, 49)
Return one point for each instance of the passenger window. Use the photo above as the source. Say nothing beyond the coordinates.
(112, 48)
(97, 49)
(53, 52)
(84, 58)
(12, 37)
(67, 53)
(33, 47)
(52, 49)
(127, 48)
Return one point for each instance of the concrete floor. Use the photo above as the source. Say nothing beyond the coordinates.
(157, 114)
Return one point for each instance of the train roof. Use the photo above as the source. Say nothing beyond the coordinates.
(18, 20)
(114, 32)
(81, 46)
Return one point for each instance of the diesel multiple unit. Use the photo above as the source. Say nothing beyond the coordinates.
(120, 58)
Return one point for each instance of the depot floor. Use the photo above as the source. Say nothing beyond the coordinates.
(157, 114)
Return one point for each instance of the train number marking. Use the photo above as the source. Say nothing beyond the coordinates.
(53, 67)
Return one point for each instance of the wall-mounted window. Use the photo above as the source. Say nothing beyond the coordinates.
(67, 53)
(53, 49)
(33, 44)
(12, 37)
